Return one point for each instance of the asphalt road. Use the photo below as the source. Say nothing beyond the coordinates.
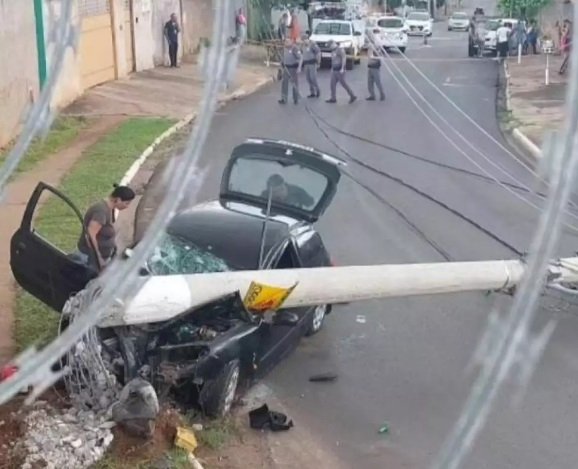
(405, 361)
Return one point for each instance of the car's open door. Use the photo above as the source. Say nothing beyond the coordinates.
(40, 250)
(258, 167)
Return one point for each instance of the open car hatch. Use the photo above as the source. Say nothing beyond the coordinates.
(300, 181)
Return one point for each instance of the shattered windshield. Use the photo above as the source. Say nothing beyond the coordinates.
(338, 29)
(175, 255)
(285, 182)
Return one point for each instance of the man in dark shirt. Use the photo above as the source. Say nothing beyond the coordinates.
(172, 31)
(99, 232)
(287, 193)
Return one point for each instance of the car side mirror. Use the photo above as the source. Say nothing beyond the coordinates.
(357, 33)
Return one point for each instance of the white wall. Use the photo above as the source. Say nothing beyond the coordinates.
(18, 65)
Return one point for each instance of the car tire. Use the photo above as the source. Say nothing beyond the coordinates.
(217, 395)
(402, 50)
(317, 319)
(470, 49)
(349, 64)
(449, 29)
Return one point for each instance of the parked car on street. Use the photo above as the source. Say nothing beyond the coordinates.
(419, 23)
(459, 21)
(272, 192)
(390, 32)
(343, 32)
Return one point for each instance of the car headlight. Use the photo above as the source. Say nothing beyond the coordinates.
(346, 44)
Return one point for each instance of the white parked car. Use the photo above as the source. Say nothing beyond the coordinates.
(389, 32)
(419, 23)
(343, 33)
(491, 40)
(459, 21)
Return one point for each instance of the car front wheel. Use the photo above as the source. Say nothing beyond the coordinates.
(402, 50)
(217, 395)
(349, 64)
(317, 319)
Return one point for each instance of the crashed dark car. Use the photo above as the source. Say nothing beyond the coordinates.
(203, 354)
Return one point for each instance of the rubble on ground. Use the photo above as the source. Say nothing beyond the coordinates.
(65, 438)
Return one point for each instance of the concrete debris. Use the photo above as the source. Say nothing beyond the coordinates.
(137, 408)
(64, 438)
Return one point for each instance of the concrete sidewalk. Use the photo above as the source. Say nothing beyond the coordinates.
(166, 92)
(536, 109)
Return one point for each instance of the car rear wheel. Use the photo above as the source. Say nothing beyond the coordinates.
(402, 50)
(317, 319)
(217, 395)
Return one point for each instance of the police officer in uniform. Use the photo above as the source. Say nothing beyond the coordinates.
(338, 59)
(311, 59)
(290, 69)
(373, 75)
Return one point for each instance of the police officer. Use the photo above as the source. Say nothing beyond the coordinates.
(338, 59)
(290, 68)
(311, 60)
(373, 75)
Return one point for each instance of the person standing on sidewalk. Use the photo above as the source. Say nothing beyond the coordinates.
(282, 26)
(532, 37)
(503, 39)
(290, 66)
(566, 46)
(172, 31)
(240, 27)
(373, 75)
(99, 232)
(311, 60)
(338, 61)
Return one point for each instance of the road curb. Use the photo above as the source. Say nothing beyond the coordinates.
(236, 95)
(520, 138)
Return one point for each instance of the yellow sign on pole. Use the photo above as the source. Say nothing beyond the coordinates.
(261, 297)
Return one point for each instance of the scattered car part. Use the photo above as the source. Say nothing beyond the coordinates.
(262, 417)
(323, 377)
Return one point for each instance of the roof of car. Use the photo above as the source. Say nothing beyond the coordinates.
(232, 232)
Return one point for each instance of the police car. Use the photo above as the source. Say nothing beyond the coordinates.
(344, 33)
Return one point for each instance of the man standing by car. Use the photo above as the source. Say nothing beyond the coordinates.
(289, 74)
(99, 232)
(373, 75)
(311, 60)
(503, 40)
(172, 31)
(338, 61)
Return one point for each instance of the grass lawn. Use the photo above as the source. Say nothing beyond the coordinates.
(63, 131)
(90, 179)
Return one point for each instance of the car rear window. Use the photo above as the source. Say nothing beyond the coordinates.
(390, 23)
(418, 16)
(287, 183)
(338, 29)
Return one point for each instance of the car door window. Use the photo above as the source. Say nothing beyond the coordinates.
(312, 252)
(288, 259)
(57, 223)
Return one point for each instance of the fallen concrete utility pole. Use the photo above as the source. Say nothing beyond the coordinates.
(162, 297)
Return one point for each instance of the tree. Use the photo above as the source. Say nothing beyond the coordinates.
(522, 8)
